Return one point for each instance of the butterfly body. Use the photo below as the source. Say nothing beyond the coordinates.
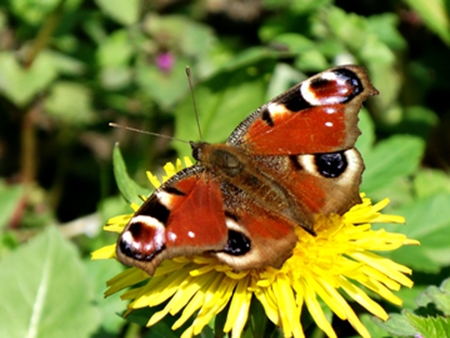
(290, 160)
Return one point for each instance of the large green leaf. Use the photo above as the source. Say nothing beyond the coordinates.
(395, 157)
(428, 220)
(99, 272)
(45, 291)
(223, 102)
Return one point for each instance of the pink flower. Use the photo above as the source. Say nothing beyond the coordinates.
(165, 61)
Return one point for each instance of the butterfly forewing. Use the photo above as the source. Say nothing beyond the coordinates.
(185, 216)
(319, 115)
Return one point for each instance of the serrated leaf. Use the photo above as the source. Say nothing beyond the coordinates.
(440, 297)
(46, 291)
(383, 163)
(430, 327)
(397, 325)
(129, 189)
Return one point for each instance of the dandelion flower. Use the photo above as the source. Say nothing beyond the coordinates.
(338, 261)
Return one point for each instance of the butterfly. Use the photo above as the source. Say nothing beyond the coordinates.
(291, 159)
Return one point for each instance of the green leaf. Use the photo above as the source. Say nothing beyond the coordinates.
(440, 297)
(409, 296)
(165, 88)
(374, 329)
(99, 272)
(46, 291)
(283, 77)
(397, 325)
(428, 221)
(418, 120)
(365, 142)
(113, 56)
(21, 85)
(70, 103)
(224, 101)
(189, 36)
(308, 5)
(250, 57)
(129, 189)
(435, 16)
(312, 60)
(115, 50)
(429, 182)
(430, 327)
(35, 12)
(385, 28)
(9, 198)
(383, 165)
(125, 12)
(296, 43)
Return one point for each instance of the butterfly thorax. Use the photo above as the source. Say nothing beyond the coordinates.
(232, 165)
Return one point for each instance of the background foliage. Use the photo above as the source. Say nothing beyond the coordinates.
(68, 67)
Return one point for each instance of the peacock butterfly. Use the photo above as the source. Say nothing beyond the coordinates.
(291, 159)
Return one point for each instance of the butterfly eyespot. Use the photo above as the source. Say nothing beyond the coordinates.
(331, 165)
(237, 244)
(352, 80)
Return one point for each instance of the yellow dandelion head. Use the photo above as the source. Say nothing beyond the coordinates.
(338, 261)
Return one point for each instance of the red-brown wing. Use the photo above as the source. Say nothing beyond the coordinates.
(317, 184)
(257, 236)
(185, 216)
(319, 115)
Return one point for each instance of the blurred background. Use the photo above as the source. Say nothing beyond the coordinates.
(69, 67)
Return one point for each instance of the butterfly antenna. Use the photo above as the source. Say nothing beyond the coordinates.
(188, 74)
(115, 125)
